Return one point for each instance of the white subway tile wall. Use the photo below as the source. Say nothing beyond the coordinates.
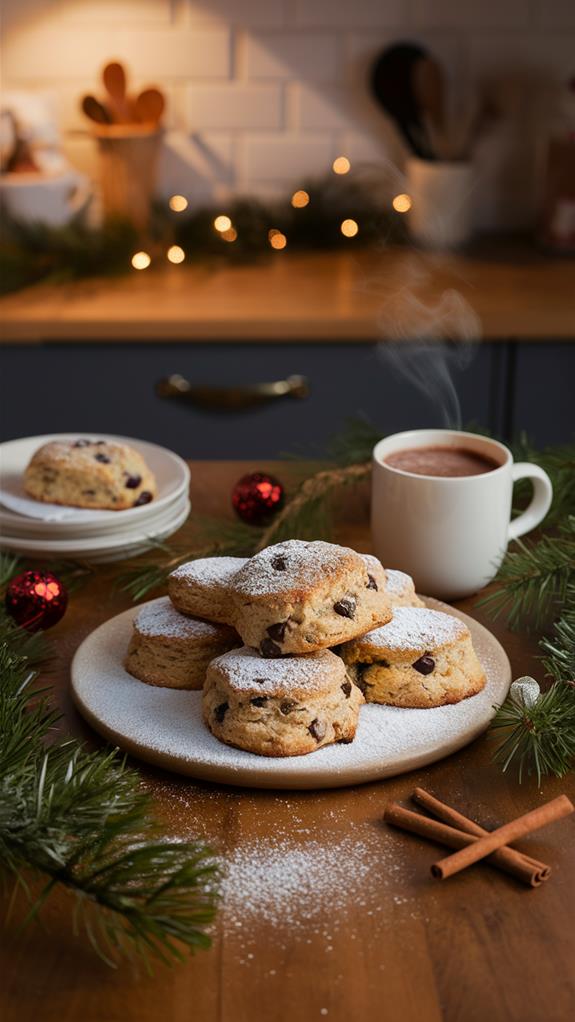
(263, 92)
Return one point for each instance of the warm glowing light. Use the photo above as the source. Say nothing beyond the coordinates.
(178, 203)
(272, 232)
(222, 223)
(141, 260)
(401, 203)
(277, 239)
(349, 228)
(299, 199)
(341, 165)
(176, 254)
(229, 235)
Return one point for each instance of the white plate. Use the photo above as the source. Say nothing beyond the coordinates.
(109, 547)
(164, 726)
(16, 527)
(171, 472)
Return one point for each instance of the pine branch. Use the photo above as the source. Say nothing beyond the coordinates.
(80, 821)
(541, 737)
(533, 579)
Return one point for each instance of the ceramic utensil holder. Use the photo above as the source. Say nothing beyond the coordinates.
(441, 214)
(128, 160)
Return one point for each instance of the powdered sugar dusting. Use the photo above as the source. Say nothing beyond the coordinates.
(279, 568)
(398, 583)
(247, 671)
(160, 617)
(212, 571)
(164, 726)
(415, 628)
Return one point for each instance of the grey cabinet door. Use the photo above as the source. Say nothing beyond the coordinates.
(543, 398)
(110, 388)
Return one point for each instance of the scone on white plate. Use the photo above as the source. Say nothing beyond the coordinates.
(300, 597)
(170, 650)
(422, 658)
(89, 474)
(282, 707)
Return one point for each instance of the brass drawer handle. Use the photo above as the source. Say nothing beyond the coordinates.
(231, 399)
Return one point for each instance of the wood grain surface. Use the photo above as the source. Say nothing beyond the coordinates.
(515, 291)
(369, 937)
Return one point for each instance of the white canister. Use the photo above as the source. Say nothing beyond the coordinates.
(441, 214)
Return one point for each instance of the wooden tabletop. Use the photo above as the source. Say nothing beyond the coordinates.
(510, 291)
(328, 913)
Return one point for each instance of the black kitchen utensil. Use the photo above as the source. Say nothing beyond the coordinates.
(392, 87)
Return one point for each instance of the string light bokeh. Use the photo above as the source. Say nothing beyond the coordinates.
(300, 199)
(401, 203)
(349, 228)
(178, 203)
(141, 260)
(222, 223)
(175, 254)
(341, 165)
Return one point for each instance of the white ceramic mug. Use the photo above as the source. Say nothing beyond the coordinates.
(450, 532)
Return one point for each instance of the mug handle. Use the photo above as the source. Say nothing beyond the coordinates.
(540, 501)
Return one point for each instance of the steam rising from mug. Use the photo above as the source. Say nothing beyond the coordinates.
(426, 340)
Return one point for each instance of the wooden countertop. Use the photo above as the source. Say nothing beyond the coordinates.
(514, 291)
(392, 945)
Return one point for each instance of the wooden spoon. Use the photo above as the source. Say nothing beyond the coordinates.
(150, 105)
(95, 110)
(114, 78)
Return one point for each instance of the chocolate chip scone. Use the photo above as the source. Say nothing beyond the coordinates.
(299, 597)
(202, 587)
(89, 474)
(173, 651)
(421, 658)
(285, 707)
(401, 589)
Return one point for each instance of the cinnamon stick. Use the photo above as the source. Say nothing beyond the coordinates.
(484, 846)
(433, 830)
(507, 858)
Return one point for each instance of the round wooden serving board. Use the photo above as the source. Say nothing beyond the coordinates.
(165, 727)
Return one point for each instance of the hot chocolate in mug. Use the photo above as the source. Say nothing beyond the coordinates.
(450, 532)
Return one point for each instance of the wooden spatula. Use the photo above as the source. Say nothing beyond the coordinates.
(95, 110)
(114, 78)
(149, 106)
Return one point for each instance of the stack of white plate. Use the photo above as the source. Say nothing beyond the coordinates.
(34, 529)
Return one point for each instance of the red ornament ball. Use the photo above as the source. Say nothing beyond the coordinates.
(36, 600)
(256, 497)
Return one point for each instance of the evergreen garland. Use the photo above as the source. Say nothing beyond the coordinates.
(30, 253)
(80, 821)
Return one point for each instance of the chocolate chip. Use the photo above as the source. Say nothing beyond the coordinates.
(132, 482)
(220, 712)
(372, 584)
(259, 700)
(270, 649)
(360, 680)
(259, 681)
(346, 689)
(279, 563)
(344, 741)
(88, 493)
(345, 607)
(144, 498)
(99, 443)
(318, 729)
(103, 458)
(83, 443)
(278, 631)
(287, 706)
(425, 665)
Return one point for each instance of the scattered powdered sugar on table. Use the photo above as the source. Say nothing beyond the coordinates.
(160, 617)
(415, 628)
(295, 563)
(210, 571)
(246, 671)
(165, 726)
